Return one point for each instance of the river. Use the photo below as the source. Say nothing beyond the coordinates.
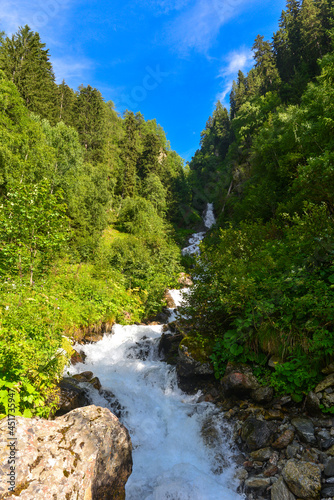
(181, 448)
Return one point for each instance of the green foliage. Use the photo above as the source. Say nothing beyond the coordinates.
(33, 228)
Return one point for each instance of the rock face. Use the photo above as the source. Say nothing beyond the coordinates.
(83, 455)
(238, 380)
(303, 479)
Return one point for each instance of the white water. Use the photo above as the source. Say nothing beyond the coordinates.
(195, 239)
(171, 461)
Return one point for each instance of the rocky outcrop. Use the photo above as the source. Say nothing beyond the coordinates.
(83, 455)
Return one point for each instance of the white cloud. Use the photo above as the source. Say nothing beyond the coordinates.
(198, 26)
(72, 70)
(37, 15)
(236, 60)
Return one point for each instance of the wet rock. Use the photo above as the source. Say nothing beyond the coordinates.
(95, 382)
(161, 317)
(312, 404)
(187, 366)
(329, 468)
(261, 455)
(83, 455)
(257, 483)
(262, 394)
(280, 491)
(256, 433)
(303, 479)
(284, 439)
(71, 396)
(327, 382)
(305, 429)
(238, 380)
(84, 376)
(91, 338)
(78, 357)
(169, 346)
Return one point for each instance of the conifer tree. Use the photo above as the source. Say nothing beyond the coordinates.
(25, 62)
(265, 64)
(65, 102)
(89, 120)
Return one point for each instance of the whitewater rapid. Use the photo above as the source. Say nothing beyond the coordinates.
(182, 449)
(171, 461)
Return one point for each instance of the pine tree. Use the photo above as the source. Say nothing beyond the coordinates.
(311, 33)
(265, 64)
(25, 62)
(89, 120)
(65, 100)
(129, 156)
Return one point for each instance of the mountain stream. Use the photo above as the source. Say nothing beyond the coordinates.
(181, 448)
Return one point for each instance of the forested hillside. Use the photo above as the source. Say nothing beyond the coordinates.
(94, 207)
(266, 272)
(88, 199)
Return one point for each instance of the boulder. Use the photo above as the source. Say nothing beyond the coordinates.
(71, 396)
(169, 347)
(312, 404)
(303, 479)
(83, 455)
(238, 380)
(327, 382)
(185, 279)
(280, 491)
(169, 300)
(284, 439)
(257, 483)
(305, 429)
(263, 394)
(262, 454)
(256, 433)
(187, 366)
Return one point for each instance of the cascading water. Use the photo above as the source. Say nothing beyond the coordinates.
(195, 239)
(181, 448)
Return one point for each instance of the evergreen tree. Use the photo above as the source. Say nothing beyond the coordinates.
(150, 160)
(89, 120)
(311, 35)
(65, 101)
(265, 64)
(129, 156)
(25, 62)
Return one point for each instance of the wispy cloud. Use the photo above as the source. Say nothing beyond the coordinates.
(236, 60)
(15, 13)
(198, 26)
(72, 70)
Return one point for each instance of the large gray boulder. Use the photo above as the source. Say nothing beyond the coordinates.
(83, 455)
(303, 479)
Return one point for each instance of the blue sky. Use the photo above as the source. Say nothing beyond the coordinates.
(169, 59)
